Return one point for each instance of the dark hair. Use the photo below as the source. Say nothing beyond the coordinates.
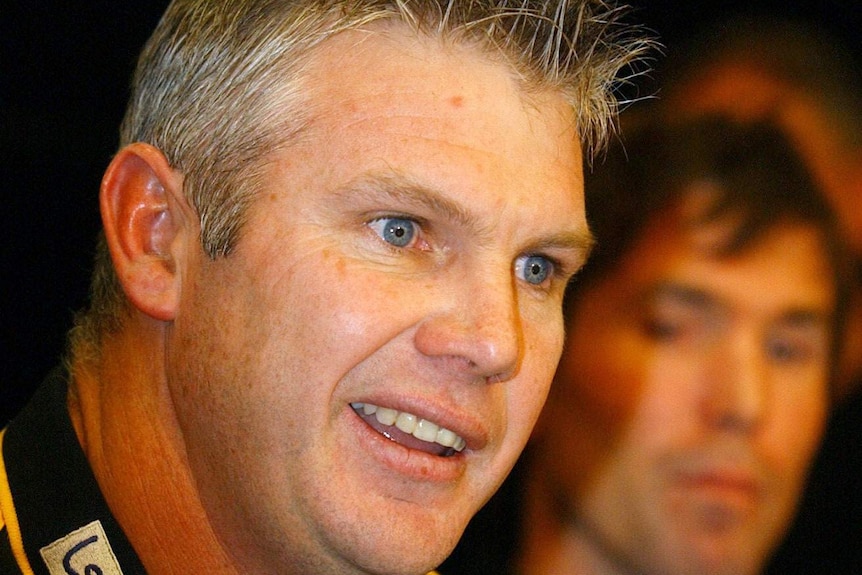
(758, 178)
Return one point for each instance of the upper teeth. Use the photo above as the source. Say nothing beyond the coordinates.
(409, 423)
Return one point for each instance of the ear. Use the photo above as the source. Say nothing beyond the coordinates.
(147, 223)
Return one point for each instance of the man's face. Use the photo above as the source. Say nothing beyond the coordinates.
(691, 397)
(409, 252)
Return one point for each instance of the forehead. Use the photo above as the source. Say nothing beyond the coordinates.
(386, 102)
(787, 268)
(388, 77)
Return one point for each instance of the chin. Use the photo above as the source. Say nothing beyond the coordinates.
(724, 559)
(419, 558)
(406, 542)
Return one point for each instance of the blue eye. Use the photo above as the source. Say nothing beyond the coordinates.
(396, 231)
(533, 269)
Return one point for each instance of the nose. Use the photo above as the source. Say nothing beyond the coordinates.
(736, 397)
(475, 328)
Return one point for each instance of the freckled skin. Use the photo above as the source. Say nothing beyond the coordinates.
(313, 311)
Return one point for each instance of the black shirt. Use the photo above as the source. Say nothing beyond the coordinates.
(53, 518)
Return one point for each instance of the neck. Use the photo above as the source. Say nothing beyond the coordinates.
(122, 413)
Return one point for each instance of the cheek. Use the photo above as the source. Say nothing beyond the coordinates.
(334, 310)
(589, 412)
(254, 324)
(600, 378)
(528, 394)
(795, 428)
(351, 310)
(615, 394)
(220, 346)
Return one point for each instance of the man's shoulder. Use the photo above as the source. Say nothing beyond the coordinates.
(8, 565)
(53, 511)
(11, 563)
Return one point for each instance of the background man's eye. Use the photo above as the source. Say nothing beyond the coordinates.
(534, 269)
(661, 329)
(787, 350)
(396, 231)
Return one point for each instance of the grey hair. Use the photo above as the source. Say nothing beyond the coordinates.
(219, 86)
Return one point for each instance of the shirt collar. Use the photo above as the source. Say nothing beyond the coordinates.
(65, 524)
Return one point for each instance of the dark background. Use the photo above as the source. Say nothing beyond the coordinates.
(64, 75)
(65, 67)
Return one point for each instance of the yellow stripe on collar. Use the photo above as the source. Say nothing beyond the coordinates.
(10, 517)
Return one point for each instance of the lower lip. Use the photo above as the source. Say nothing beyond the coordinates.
(406, 462)
(731, 492)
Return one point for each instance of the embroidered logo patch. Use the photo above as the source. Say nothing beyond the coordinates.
(85, 551)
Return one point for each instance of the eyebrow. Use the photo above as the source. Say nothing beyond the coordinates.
(801, 317)
(687, 295)
(804, 318)
(404, 191)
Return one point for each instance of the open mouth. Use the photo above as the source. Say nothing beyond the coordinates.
(410, 431)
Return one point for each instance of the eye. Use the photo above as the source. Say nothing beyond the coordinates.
(661, 329)
(399, 232)
(799, 342)
(785, 351)
(679, 325)
(788, 349)
(534, 269)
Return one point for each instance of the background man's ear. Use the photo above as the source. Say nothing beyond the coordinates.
(147, 225)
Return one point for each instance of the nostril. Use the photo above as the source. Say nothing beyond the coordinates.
(507, 374)
(494, 379)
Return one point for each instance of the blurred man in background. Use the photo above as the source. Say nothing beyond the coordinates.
(696, 378)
